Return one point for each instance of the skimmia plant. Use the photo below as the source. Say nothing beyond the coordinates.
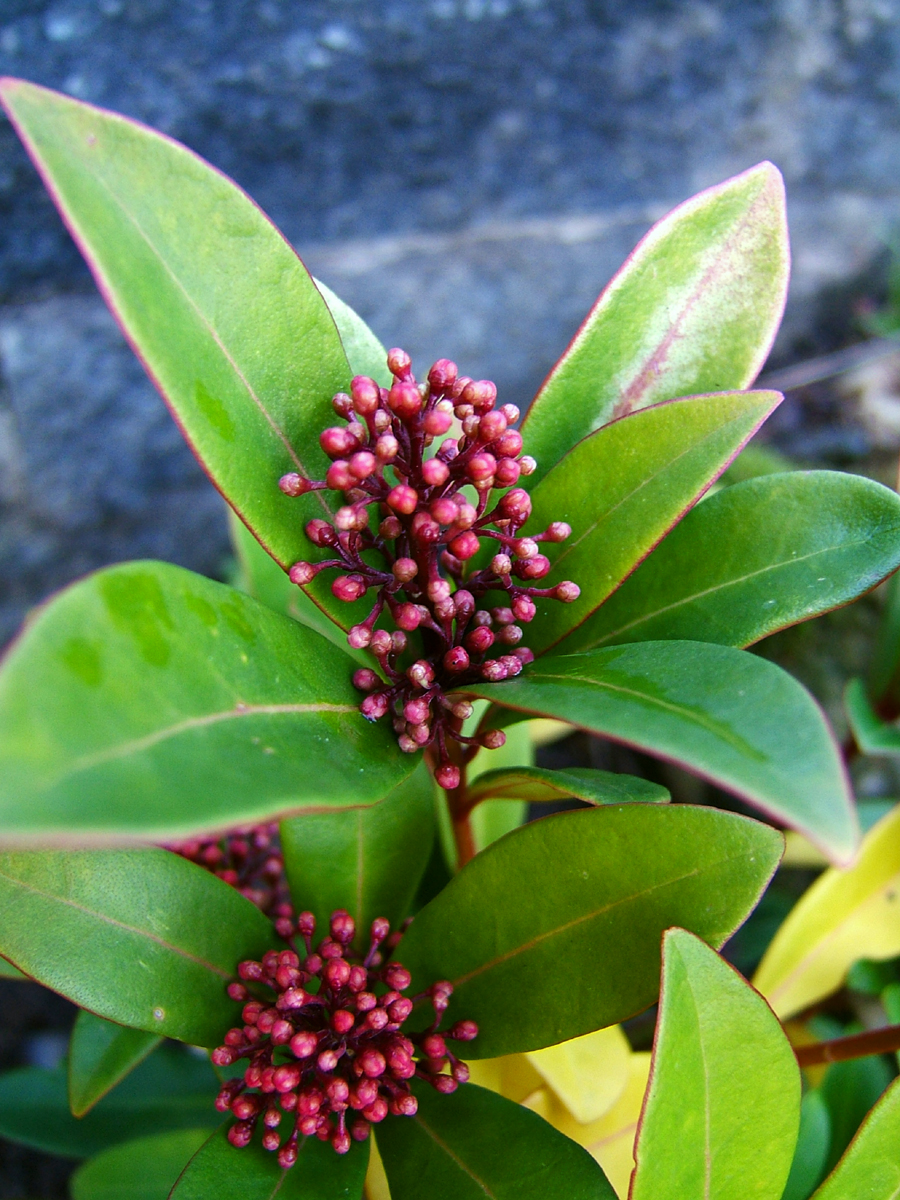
(216, 802)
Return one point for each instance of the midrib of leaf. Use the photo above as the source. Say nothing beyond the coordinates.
(137, 745)
(706, 723)
(455, 1158)
(719, 587)
(654, 363)
(108, 920)
(647, 481)
(524, 947)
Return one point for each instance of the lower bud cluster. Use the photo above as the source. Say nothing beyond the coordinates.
(322, 1032)
(426, 531)
(250, 859)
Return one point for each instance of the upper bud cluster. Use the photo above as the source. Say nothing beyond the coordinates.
(447, 447)
(321, 1029)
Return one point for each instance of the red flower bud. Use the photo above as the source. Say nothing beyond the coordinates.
(403, 499)
(465, 545)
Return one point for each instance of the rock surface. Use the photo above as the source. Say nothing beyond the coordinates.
(467, 173)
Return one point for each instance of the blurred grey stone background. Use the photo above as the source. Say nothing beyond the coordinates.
(466, 173)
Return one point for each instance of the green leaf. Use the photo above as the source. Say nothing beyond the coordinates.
(8, 971)
(850, 1090)
(366, 859)
(223, 314)
(538, 785)
(871, 734)
(722, 1110)
(491, 820)
(870, 1168)
(729, 715)
(364, 351)
(624, 487)
(101, 1054)
(220, 1172)
(146, 701)
(754, 558)
(812, 1148)
(261, 577)
(141, 937)
(170, 1090)
(694, 309)
(143, 1169)
(476, 1144)
(506, 927)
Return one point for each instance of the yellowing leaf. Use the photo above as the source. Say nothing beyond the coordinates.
(848, 913)
(610, 1139)
(376, 1187)
(511, 1076)
(588, 1074)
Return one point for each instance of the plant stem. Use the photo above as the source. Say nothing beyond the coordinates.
(857, 1045)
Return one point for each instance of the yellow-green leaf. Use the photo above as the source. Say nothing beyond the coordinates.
(588, 1073)
(848, 913)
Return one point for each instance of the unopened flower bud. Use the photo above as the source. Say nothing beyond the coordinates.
(365, 394)
(435, 472)
(533, 568)
(293, 484)
(447, 776)
(320, 533)
(507, 472)
(362, 464)
(527, 464)
(337, 441)
(404, 400)
(493, 425)
(465, 545)
(509, 444)
(398, 362)
(386, 448)
(348, 588)
(479, 640)
(342, 404)
(524, 609)
(390, 527)
(464, 1031)
(339, 476)
(421, 673)
(510, 635)
(374, 707)
(493, 739)
(481, 467)
(567, 591)
(493, 671)
(437, 422)
(442, 375)
(525, 548)
(456, 659)
(416, 711)
(516, 505)
(359, 637)
(481, 394)
(558, 531)
(302, 573)
(405, 569)
(408, 617)
(403, 499)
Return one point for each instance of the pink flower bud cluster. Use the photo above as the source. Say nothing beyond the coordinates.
(248, 858)
(428, 529)
(322, 1031)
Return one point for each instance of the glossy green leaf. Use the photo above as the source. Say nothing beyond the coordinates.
(226, 319)
(870, 1169)
(729, 715)
(141, 937)
(260, 576)
(143, 1169)
(147, 701)
(101, 1054)
(851, 1089)
(492, 820)
(754, 558)
(811, 1152)
(694, 309)
(722, 1110)
(366, 859)
(220, 1172)
(884, 669)
(623, 488)
(476, 1144)
(170, 1090)
(364, 351)
(871, 734)
(507, 926)
(538, 785)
